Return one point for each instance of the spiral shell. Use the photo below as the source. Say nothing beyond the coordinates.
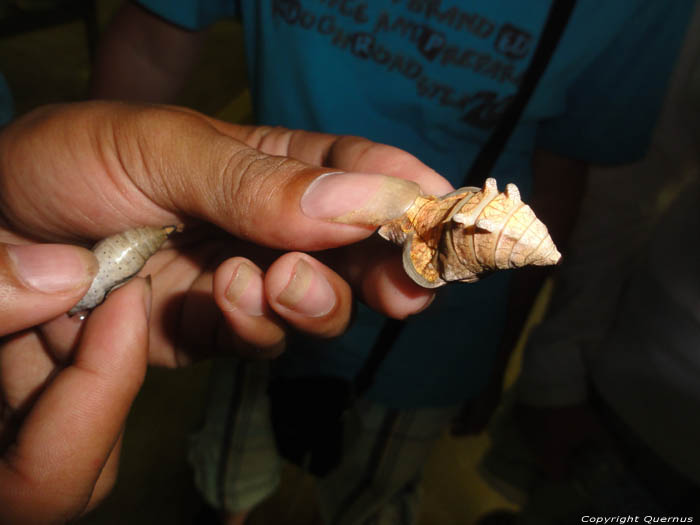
(468, 233)
(120, 257)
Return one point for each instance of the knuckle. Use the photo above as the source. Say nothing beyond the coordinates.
(248, 186)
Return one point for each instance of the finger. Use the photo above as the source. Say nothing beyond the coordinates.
(374, 270)
(344, 152)
(65, 440)
(108, 477)
(153, 165)
(203, 332)
(240, 294)
(62, 336)
(385, 287)
(187, 324)
(276, 201)
(348, 153)
(381, 282)
(25, 367)
(39, 282)
(308, 295)
(182, 287)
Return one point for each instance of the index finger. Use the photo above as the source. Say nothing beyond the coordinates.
(345, 152)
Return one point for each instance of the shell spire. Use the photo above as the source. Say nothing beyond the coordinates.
(468, 233)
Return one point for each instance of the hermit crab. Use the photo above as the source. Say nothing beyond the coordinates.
(468, 233)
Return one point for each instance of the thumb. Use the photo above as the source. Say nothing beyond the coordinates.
(41, 281)
(189, 165)
(98, 168)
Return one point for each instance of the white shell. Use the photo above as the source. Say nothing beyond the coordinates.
(469, 233)
(120, 257)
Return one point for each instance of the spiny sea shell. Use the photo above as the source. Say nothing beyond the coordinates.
(120, 257)
(468, 233)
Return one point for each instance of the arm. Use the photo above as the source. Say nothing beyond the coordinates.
(143, 58)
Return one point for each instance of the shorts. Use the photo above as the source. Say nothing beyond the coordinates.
(237, 465)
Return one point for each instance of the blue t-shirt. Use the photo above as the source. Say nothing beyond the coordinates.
(433, 77)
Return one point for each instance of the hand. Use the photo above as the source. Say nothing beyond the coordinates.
(556, 433)
(80, 172)
(60, 426)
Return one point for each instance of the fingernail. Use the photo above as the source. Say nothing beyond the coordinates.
(245, 290)
(308, 292)
(53, 268)
(358, 198)
(428, 302)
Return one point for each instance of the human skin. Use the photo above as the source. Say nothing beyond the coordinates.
(61, 424)
(72, 174)
(126, 166)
